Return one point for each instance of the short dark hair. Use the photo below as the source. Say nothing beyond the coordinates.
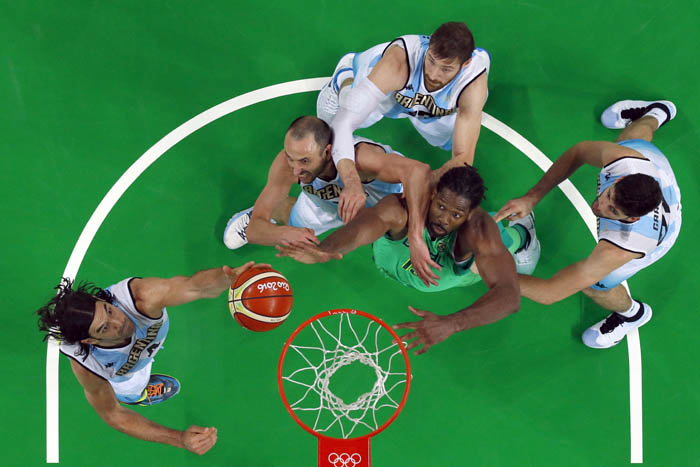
(637, 194)
(452, 40)
(69, 314)
(306, 124)
(464, 181)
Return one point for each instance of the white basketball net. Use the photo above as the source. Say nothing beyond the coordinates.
(374, 347)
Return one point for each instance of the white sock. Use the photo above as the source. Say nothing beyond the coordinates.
(633, 310)
(658, 114)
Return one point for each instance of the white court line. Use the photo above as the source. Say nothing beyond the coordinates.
(237, 103)
(633, 348)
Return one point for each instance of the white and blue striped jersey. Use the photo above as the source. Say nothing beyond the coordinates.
(432, 113)
(120, 363)
(654, 233)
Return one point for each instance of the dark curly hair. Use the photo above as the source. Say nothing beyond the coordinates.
(68, 315)
(464, 181)
(637, 194)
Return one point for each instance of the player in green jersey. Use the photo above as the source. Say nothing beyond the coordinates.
(461, 237)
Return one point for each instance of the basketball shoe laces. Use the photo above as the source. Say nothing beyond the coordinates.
(612, 322)
(154, 390)
(636, 113)
(244, 226)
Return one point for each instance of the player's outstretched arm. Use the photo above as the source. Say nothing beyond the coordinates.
(101, 397)
(497, 270)
(467, 124)
(356, 104)
(595, 153)
(604, 259)
(370, 224)
(151, 294)
(260, 230)
(393, 168)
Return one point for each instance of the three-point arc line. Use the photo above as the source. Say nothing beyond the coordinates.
(264, 94)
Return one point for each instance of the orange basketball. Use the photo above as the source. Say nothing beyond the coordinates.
(260, 299)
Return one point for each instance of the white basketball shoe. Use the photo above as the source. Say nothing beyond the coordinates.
(622, 113)
(614, 328)
(234, 233)
(527, 258)
(327, 104)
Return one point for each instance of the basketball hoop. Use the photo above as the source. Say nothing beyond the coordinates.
(329, 345)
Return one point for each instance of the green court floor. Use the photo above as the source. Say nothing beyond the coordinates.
(87, 87)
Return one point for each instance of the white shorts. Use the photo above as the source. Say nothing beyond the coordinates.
(320, 216)
(624, 272)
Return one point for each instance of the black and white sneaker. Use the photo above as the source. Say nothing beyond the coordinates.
(622, 113)
(614, 328)
(234, 233)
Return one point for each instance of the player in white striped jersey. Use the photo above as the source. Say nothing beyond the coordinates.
(439, 82)
(639, 217)
(277, 218)
(112, 336)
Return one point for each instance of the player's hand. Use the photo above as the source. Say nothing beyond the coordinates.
(352, 199)
(422, 262)
(431, 330)
(199, 440)
(233, 273)
(307, 254)
(515, 209)
(300, 236)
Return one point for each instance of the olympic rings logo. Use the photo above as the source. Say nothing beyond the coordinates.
(344, 459)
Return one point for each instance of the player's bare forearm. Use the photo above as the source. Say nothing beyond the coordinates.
(368, 226)
(561, 169)
(542, 291)
(137, 426)
(362, 230)
(417, 193)
(348, 173)
(497, 303)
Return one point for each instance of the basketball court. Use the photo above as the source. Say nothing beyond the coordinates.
(89, 91)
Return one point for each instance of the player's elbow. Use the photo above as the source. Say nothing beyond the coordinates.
(513, 304)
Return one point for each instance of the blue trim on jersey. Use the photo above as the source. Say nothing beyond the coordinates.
(335, 78)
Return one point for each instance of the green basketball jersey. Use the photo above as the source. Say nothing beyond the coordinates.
(393, 258)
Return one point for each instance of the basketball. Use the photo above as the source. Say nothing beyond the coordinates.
(260, 299)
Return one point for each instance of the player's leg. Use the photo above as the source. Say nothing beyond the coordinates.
(235, 230)
(327, 103)
(520, 237)
(616, 299)
(638, 119)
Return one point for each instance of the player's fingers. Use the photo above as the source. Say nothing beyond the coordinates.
(263, 265)
(337, 256)
(423, 350)
(353, 209)
(413, 344)
(435, 265)
(342, 206)
(500, 215)
(196, 429)
(410, 325)
(417, 311)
